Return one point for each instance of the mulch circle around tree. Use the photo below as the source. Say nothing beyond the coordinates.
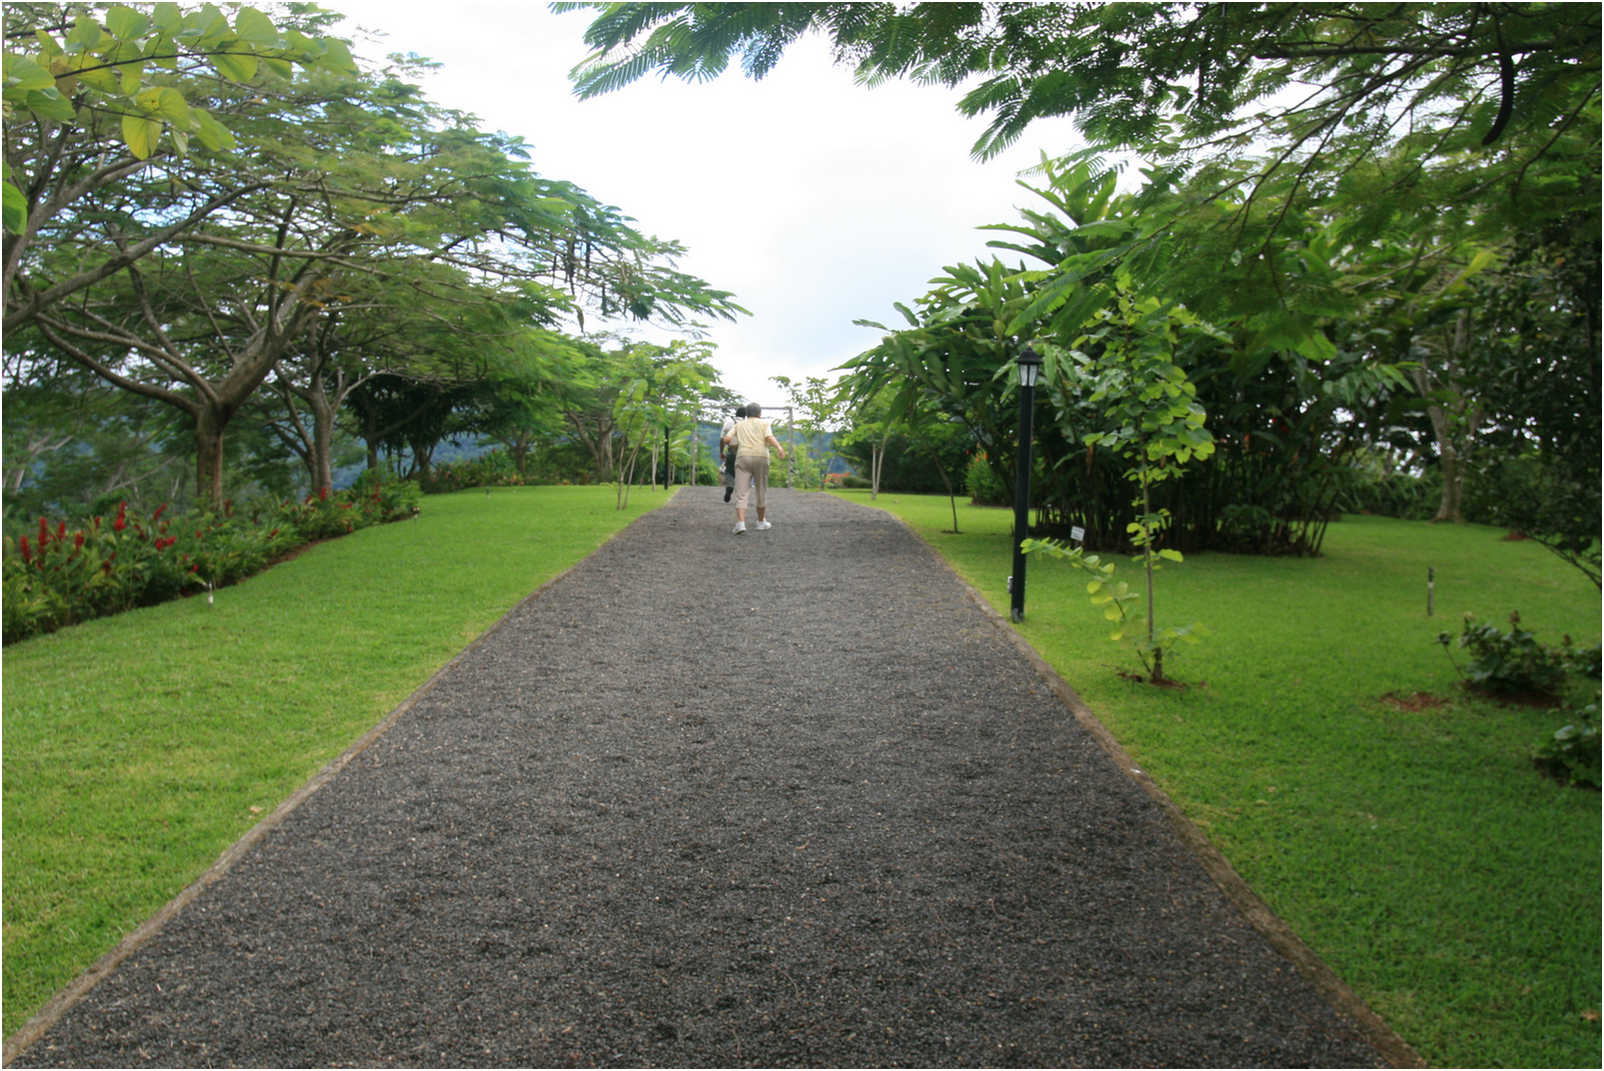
(789, 798)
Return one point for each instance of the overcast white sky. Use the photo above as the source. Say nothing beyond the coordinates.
(814, 201)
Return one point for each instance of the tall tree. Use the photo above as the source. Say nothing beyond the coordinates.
(199, 317)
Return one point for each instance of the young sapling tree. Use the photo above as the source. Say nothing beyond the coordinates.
(1155, 423)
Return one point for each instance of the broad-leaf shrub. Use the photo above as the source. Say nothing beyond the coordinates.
(492, 469)
(985, 487)
(1514, 663)
(62, 574)
(1572, 753)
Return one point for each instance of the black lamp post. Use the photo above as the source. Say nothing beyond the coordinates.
(1029, 369)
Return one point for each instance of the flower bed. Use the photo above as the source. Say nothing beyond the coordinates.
(63, 574)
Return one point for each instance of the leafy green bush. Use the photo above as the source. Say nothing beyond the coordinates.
(1513, 663)
(493, 469)
(1394, 494)
(984, 488)
(1571, 754)
(61, 576)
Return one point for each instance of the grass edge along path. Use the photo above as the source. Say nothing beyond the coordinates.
(1416, 851)
(139, 748)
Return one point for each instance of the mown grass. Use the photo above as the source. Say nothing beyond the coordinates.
(138, 747)
(1417, 851)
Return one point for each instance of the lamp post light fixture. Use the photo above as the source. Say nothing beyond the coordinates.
(1029, 370)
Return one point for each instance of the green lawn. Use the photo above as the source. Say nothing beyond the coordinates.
(1417, 851)
(138, 747)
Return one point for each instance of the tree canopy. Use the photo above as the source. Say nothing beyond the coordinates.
(201, 204)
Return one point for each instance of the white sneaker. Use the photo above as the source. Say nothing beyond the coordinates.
(763, 526)
(739, 528)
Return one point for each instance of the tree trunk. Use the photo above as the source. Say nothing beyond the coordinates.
(209, 424)
(323, 442)
(518, 447)
(1147, 564)
(1449, 506)
(1454, 419)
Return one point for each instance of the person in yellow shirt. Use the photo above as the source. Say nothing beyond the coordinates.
(752, 439)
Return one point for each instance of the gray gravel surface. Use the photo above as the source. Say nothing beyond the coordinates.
(789, 798)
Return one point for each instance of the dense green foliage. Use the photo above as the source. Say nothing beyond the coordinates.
(1515, 664)
(1140, 74)
(1390, 816)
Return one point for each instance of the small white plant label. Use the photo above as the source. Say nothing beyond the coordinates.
(1078, 534)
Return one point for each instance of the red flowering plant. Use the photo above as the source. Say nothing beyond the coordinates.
(57, 575)
(62, 576)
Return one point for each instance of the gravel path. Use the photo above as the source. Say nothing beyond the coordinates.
(790, 798)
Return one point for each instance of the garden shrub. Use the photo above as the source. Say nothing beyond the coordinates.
(1572, 754)
(1513, 663)
(492, 469)
(1247, 529)
(1396, 494)
(983, 485)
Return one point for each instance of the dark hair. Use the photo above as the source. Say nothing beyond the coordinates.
(740, 411)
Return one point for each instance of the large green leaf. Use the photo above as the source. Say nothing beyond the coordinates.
(235, 66)
(85, 34)
(212, 134)
(23, 74)
(15, 208)
(168, 18)
(164, 101)
(254, 28)
(50, 104)
(126, 23)
(141, 134)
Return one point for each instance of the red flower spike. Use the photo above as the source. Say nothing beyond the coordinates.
(154, 517)
(61, 530)
(27, 554)
(78, 542)
(44, 533)
(122, 517)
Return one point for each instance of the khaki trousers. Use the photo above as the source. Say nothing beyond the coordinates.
(752, 473)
